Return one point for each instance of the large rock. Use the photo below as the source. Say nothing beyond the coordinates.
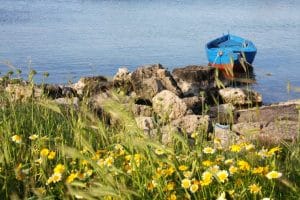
(142, 110)
(269, 124)
(52, 91)
(19, 92)
(194, 103)
(192, 123)
(194, 79)
(68, 102)
(146, 124)
(122, 79)
(223, 113)
(149, 80)
(22, 92)
(280, 111)
(168, 105)
(92, 85)
(239, 96)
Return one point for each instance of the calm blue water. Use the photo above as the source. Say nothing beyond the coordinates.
(74, 38)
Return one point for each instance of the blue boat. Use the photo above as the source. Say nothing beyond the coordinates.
(230, 52)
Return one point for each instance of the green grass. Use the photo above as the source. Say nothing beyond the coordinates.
(119, 162)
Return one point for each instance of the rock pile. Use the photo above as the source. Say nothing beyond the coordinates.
(186, 101)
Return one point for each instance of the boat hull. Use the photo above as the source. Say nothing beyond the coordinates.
(230, 52)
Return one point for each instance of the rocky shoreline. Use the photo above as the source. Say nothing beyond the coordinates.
(188, 100)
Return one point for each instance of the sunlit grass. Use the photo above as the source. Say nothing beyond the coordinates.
(53, 152)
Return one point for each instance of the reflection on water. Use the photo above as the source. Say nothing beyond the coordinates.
(74, 38)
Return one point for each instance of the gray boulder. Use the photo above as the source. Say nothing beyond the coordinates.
(194, 103)
(168, 105)
(122, 79)
(192, 123)
(194, 79)
(269, 124)
(149, 80)
(239, 96)
(92, 85)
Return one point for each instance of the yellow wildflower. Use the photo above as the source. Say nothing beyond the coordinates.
(71, 177)
(243, 165)
(194, 134)
(109, 161)
(151, 185)
(206, 178)
(16, 138)
(56, 177)
(222, 196)
(51, 155)
(171, 186)
(44, 152)
(228, 162)
(233, 169)
(273, 175)
(273, 151)
(194, 188)
(263, 153)
(183, 167)
(220, 158)
(249, 147)
(209, 150)
(186, 183)
(258, 170)
(187, 174)
(214, 169)
(169, 171)
(33, 137)
(222, 176)
(254, 188)
(172, 196)
(235, 148)
(39, 161)
(207, 163)
(59, 169)
(159, 152)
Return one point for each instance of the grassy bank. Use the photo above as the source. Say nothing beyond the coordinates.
(52, 152)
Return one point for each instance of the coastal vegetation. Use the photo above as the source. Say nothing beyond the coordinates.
(51, 151)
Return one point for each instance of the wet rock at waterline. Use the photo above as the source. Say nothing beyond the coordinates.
(149, 80)
(193, 79)
(239, 96)
(122, 79)
(92, 85)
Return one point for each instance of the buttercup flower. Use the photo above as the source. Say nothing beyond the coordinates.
(71, 177)
(51, 155)
(59, 169)
(44, 152)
